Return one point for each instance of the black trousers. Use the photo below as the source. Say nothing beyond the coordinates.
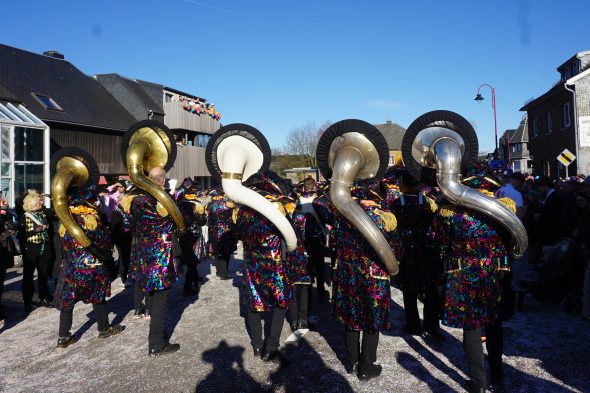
(495, 347)
(364, 353)
(2, 276)
(34, 259)
(315, 250)
(101, 314)
(222, 265)
(124, 250)
(299, 307)
(431, 309)
(157, 336)
(139, 295)
(254, 322)
(474, 355)
(188, 258)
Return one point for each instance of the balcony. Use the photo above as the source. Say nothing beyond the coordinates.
(190, 162)
(176, 117)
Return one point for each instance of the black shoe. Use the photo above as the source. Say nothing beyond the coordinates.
(46, 303)
(112, 330)
(165, 350)
(63, 343)
(223, 278)
(275, 357)
(306, 325)
(352, 368)
(472, 388)
(369, 371)
(293, 326)
(257, 352)
(190, 292)
(139, 313)
(29, 307)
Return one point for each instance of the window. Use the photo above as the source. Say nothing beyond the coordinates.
(549, 122)
(390, 161)
(566, 115)
(535, 127)
(516, 166)
(28, 176)
(28, 144)
(47, 102)
(167, 97)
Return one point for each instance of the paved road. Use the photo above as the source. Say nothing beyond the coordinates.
(546, 351)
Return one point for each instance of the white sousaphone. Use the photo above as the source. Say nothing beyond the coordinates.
(236, 152)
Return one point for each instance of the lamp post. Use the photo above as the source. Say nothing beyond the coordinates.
(479, 99)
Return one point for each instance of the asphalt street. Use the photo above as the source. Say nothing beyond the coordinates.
(546, 350)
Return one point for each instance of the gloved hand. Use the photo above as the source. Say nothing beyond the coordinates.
(103, 255)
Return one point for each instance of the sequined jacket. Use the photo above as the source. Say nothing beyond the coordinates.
(152, 260)
(82, 278)
(473, 254)
(361, 286)
(266, 284)
(222, 240)
(297, 261)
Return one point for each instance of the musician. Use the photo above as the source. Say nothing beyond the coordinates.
(153, 264)
(266, 285)
(414, 212)
(361, 286)
(84, 276)
(473, 250)
(297, 264)
(222, 241)
(36, 242)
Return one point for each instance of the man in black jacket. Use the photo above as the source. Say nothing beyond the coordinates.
(552, 216)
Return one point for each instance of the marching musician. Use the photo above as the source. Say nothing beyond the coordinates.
(222, 241)
(85, 276)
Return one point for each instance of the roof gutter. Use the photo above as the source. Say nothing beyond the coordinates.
(575, 119)
(82, 125)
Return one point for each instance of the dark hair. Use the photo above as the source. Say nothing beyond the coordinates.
(545, 181)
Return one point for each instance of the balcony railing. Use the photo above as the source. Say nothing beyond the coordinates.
(176, 117)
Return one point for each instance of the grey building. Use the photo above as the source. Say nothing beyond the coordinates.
(560, 119)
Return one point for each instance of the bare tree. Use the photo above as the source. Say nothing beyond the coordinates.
(302, 142)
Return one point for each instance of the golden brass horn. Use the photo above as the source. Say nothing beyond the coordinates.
(73, 168)
(349, 150)
(149, 144)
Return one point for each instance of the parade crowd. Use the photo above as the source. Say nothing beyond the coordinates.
(455, 261)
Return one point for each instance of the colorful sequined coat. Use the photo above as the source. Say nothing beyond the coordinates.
(79, 280)
(297, 262)
(222, 240)
(266, 284)
(473, 254)
(361, 287)
(152, 260)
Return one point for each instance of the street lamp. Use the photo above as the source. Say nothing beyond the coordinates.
(479, 99)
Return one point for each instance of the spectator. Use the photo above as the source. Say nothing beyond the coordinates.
(551, 216)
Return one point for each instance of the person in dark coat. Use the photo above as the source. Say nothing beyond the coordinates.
(222, 241)
(551, 218)
(8, 232)
(36, 247)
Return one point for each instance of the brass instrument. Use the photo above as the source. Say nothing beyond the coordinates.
(445, 142)
(233, 154)
(73, 168)
(148, 144)
(349, 150)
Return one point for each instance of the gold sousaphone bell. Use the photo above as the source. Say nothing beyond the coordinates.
(146, 145)
(73, 168)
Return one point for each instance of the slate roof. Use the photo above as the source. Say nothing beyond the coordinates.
(521, 134)
(393, 133)
(83, 100)
(5, 95)
(130, 94)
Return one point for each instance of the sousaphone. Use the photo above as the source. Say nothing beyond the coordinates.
(235, 153)
(349, 150)
(444, 142)
(148, 144)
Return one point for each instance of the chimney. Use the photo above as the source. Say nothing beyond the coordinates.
(55, 54)
(388, 120)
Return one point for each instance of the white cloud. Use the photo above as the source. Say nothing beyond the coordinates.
(383, 104)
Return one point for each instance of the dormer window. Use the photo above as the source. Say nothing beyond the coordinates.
(47, 102)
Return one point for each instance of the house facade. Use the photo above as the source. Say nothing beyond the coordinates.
(394, 134)
(560, 119)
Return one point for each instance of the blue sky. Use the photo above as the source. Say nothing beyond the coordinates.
(278, 65)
